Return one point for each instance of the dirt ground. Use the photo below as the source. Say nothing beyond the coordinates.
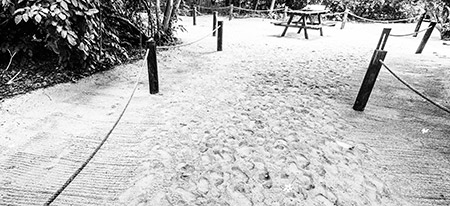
(267, 121)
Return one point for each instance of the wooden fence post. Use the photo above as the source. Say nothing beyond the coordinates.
(344, 19)
(369, 80)
(152, 67)
(220, 36)
(231, 11)
(194, 15)
(383, 38)
(425, 38)
(214, 23)
(419, 23)
(372, 72)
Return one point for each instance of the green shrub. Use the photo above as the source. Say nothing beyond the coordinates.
(82, 34)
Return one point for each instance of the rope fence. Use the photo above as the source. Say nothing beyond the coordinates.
(240, 8)
(381, 21)
(214, 8)
(411, 34)
(414, 90)
(86, 162)
(259, 11)
(377, 62)
(190, 43)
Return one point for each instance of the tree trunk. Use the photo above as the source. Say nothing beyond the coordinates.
(176, 5)
(167, 15)
(255, 4)
(272, 6)
(158, 12)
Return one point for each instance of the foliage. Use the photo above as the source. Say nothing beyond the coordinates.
(439, 11)
(85, 35)
(65, 27)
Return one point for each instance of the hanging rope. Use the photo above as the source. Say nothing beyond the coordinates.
(251, 10)
(213, 8)
(77, 172)
(187, 44)
(381, 21)
(240, 8)
(415, 90)
(410, 34)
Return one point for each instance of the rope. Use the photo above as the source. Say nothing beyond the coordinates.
(212, 8)
(410, 34)
(243, 9)
(75, 174)
(380, 21)
(414, 90)
(187, 44)
(334, 14)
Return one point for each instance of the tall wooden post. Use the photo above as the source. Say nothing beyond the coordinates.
(214, 23)
(372, 72)
(344, 19)
(231, 12)
(152, 67)
(369, 80)
(425, 38)
(419, 23)
(383, 38)
(194, 15)
(220, 36)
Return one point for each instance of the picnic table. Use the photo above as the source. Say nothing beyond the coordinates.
(308, 19)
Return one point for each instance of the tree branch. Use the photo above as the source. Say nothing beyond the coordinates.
(131, 24)
(10, 60)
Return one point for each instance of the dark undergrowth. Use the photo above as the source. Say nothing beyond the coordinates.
(29, 74)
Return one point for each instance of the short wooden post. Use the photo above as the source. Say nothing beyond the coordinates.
(419, 23)
(152, 67)
(369, 80)
(231, 12)
(214, 23)
(194, 15)
(220, 36)
(425, 38)
(344, 19)
(286, 8)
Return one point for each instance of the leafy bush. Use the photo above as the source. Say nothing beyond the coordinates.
(83, 35)
(66, 28)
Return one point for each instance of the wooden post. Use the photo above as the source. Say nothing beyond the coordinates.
(369, 80)
(383, 38)
(214, 23)
(419, 23)
(152, 67)
(194, 15)
(231, 12)
(372, 72)
(425, 38)
(220, 36)
(344, 19)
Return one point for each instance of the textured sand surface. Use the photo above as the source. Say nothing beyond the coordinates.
(268, 121)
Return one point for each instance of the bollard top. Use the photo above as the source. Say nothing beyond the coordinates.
(151, 43)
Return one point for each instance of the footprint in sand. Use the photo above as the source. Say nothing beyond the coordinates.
(203, 186)
(237, 198)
